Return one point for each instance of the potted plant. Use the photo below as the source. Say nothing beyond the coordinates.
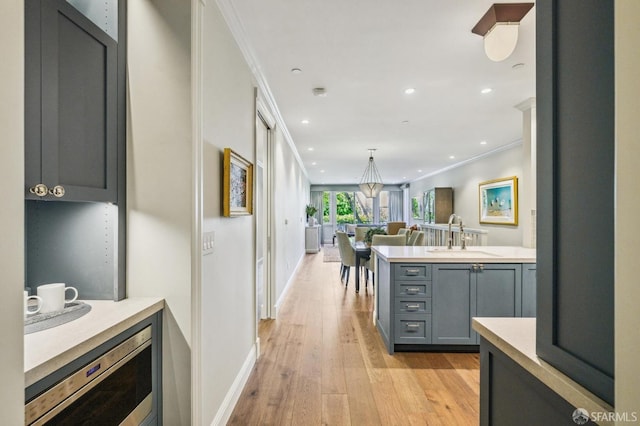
(311, 211)
(368, 237)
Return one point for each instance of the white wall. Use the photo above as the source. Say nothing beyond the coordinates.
(291, 196)
(627, 290)
(159, 182)
(12, 211)
(227, 292)
(465, 179)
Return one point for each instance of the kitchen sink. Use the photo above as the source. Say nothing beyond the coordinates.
(444, 252)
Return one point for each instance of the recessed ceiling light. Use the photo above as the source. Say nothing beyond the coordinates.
(404, 177)
(305, 121)
(483, 142)
(517, 66)
(296, 71)
(320, 91)
(409, 91)
(420, 171)
(451, 157)
(314, 163)
(310, 148)
(405, 122)
(321, 171)
(486, 90)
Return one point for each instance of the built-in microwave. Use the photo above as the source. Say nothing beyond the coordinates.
(116, 388)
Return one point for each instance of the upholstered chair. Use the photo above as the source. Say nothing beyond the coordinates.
(361, 232)
(416, 238)
(347, 256)
(393, 227)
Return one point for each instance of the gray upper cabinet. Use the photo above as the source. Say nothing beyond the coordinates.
(71, 105)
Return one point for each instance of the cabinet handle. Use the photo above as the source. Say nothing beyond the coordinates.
(412, 272)
(413, 290)
(413, 325)
(57, 191)
(412, 306)
(40, 190)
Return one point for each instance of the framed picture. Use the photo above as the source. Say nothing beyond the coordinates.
(499, 201)
(237, 185)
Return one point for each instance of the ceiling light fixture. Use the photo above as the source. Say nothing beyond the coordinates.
(371, 182)
(310, 148)
(483, 142)
(409, 91)
(296, 71)
(320, 91)
(499, 27)
(452, 157)
(486, 90)
(305, 121)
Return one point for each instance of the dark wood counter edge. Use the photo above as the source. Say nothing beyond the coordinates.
(41, 371)
(566, 388)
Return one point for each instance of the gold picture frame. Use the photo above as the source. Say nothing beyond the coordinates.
(237, 185)
(499, 201)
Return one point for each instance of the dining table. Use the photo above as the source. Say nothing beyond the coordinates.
(363, 253)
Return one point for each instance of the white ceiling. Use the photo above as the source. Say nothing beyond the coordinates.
(365, 53)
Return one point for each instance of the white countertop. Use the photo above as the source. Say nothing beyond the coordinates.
(47, 350)
(440, 254)
(516, 338)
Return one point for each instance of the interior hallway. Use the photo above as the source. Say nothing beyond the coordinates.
(323, 362)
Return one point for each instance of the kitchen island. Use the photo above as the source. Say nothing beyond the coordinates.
(427, 296)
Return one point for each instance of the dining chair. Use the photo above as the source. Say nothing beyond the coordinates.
(361, 232)
(381, 240)
(416, 238)
(393, 227)
(347, 256)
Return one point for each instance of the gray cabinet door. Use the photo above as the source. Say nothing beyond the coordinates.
(498, 290)
(71, 103)
(529, 290)
(454, 303)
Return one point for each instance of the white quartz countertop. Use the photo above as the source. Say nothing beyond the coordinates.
(47, 350)
(516, 338)
(440, 254)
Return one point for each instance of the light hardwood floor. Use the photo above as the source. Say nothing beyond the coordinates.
(324, 363)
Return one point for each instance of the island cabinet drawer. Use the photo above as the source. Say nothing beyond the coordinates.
(408, 305)
(412, 329)
(415, 289)
(412, 271)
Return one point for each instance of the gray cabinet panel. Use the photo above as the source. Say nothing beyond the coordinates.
(576, 165)
(529, 290)
(384, 300)
(498, 289)
(454, 295)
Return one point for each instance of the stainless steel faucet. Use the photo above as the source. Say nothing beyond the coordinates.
(454, 217)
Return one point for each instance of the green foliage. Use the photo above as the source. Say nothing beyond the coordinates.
(368, 237)
(311, 210)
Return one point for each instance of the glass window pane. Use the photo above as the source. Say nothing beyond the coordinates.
(344, 208)
(384, 206)
(364, 208)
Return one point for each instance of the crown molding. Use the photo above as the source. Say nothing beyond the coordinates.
(240, 35)
(470, 160)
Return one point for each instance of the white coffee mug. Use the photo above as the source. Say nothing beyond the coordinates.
(53, 296)
(28, 311)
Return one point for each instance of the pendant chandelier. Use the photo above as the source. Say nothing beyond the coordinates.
(371, 182)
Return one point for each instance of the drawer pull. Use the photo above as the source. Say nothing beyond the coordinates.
(412, 271)
(412, 306)
(413, 326)
(413, 290)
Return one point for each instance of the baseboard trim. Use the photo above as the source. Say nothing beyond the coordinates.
(288, 286)
(231, 399)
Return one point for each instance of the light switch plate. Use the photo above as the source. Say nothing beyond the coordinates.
(208, 241)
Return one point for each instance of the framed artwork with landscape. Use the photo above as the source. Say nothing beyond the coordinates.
(499, 201)
(237, 185)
